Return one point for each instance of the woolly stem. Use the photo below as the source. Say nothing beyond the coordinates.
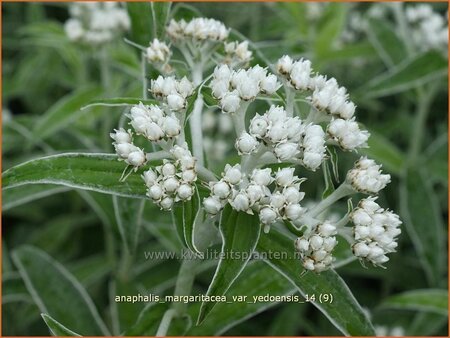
(343, 190)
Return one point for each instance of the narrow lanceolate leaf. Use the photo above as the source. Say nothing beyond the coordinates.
(20, 195)
(128, 214)
(65, 111)
(96, 172)
(256, 280)
(420, 213)
(427, 300)
(118, 102)
(149, 320)
(388, 45)
(141, 22)
(160, 16)
(385, 152)
(343, 311)
(56, 328)
(186, 216)
(331, 29)
(329, 187)
(57, 293)
(411, 73)
(240, 233)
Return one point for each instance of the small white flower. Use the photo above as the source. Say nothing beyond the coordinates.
(293, 211)
(258, 126)
(121, 136)
(248, 89)
(276, 114)
(189, 175)
(222, 72)
(185, 87)
(219, 88)
(286, 151)
(221, 189)
(233, 174)
(168, 169)
(293, 195)
(185, 191)
(230, 102)
(269, 84)
(285, 177)
(212, 205)
(267, 215)
(153, 132)
(171, 126)
(242, 51)
(149, 177)
(240, 202)
(175, 101)
(136, 158)
(171, 184)
(284, 65)
(246, 143)
(366, 176)
(158, 51)
(262, 176)
(155, 192)
(166, 203)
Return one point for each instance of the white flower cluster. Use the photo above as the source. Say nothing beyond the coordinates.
(172, 181)
(198, 29)
(316, 247)
(238, 51)
(96, 23)
(347, 134)
(429, 29)
(375, 231)
(366, 176)
(158, 52)
(172, 91)
(231, 87)
(287, 137)
(327, 94)
(152, 122)
(280, 203)
(125, 148)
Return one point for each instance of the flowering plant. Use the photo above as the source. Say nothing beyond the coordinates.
(262, 162)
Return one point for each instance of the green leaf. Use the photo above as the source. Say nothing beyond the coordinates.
(160, 15)
(257, 279)
(333, 23)
(128, 214)
(49, 283)
(240, 233)
(95, 172)
(423, 220)
(427, 300)
(118, 102)
(411, 73)
(13, 289)
(344, 312)
(56, 328)
(385, 152)
(186, 216)
(12, 198)
(150, 318)
(388, 45)
(64, 111)
(141, 22)
(334, 162)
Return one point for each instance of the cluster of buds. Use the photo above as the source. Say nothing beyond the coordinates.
(347, 134)
(232, 87)
(282, 202)
(239, 52)
(287, 137)
(366, 176)
(429, 28)
(198, 29)
(375, 231)
(152, 122)
(316, 247)
(172, 91)
(172, 181)
(126, 150)
(158, 52)
(96, 23)
(297, 73)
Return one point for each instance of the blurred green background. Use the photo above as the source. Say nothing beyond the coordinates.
(402, 96)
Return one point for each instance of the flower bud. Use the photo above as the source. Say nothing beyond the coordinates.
(175, 101)
(212, 205)
(258, 126)
(171, 126)
(153, 132)
(269, 84)
(233, 174)
(267, 215)
(230, 102)
(121, 136)
(286, 151)
(155, 192)
(285, 176)
(171, 184)
(221, 189)
(136, 158)
(293, 211)
(185, 191)
(262, 176)
(166, 203)
(246, 143)
(240, 202)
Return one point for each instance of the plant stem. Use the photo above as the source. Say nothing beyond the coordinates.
(144, 77)
(157, 155)
(165, 323)
(185, 281)
(195, 120)
(343, 190)
(205, 174)
(105, 69)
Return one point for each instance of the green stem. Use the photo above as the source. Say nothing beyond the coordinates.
(184, 283)
(165, 323)
(144, 77)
